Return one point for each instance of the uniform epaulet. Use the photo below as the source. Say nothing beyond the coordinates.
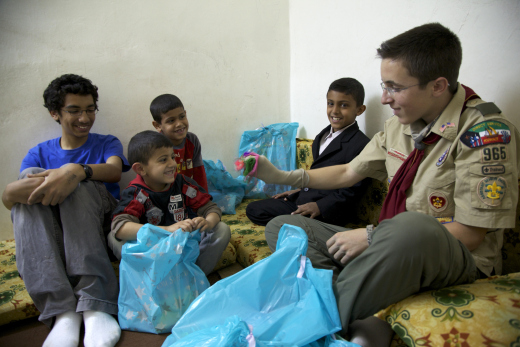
(488, 108)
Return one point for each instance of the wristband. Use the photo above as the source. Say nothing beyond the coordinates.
(370, 230)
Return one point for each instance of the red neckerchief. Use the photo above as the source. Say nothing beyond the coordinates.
(395, 201)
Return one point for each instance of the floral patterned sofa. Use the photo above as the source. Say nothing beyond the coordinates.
(485, 313)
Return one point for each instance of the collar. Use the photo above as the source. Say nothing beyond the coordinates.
(336, 133)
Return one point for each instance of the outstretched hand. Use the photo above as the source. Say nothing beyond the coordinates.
(347, 245)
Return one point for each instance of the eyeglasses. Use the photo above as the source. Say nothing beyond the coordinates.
(392, 90)
(77, 113)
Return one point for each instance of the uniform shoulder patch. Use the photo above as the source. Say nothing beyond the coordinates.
(486, 133)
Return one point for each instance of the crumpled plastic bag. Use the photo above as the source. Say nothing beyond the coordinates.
(158, 279)
(277, 142)
(227, 192)
(282, 299)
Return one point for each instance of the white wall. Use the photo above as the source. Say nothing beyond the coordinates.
(227, 60)
(332, 39)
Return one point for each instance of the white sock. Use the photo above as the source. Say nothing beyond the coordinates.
(101, 329)
(65, 331)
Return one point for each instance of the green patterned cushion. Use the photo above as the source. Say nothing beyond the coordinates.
(247, 238)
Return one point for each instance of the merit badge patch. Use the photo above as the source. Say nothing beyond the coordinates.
(442, 158)
(491, 190)
(438, 201)
(493, 169)
(396, 154)
(486, 133)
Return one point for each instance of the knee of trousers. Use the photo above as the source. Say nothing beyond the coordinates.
(411, 232)
(30, 170)
(272, 229)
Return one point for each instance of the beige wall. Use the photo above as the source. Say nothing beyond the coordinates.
(228, 61)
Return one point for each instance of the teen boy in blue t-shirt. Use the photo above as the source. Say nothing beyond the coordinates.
(58, 207)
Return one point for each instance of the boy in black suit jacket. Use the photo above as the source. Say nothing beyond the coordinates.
(338, 143)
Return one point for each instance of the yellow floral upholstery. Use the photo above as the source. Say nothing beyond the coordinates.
(15, 302)
(304, 157)
(247, 238)
(485, 313)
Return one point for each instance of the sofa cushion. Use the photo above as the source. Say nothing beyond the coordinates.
(485, 313)
(15, 302)
(247, 238)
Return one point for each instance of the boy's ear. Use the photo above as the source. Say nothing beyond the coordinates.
(138, 169)
(440, 85)
(55, 115)
(360, 110)
(157, 126)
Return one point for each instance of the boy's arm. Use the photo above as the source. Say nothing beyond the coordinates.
(19, 191)
(60, 183)
(331, 177)
(208, 216)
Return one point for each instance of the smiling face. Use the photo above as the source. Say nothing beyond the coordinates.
(174, 124)
(410, 104)
(342, 109)
(75, 129)
(160, 170)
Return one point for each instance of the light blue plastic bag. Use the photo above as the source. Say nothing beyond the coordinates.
(277, 142)
(227, 192)
(158, 279)
(283, 299)
(236, 333)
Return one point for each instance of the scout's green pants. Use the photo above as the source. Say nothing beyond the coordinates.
(411, 252)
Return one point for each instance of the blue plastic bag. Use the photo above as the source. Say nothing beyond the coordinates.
(283, 299)
(227, 192)
(277, 142)
(236, 333)
(158, 279)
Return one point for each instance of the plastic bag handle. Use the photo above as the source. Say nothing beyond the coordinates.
(302, 266)
(250, 338)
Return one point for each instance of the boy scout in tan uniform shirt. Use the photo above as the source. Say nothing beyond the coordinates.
(452, 169)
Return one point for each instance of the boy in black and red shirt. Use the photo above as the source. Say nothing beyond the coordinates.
(160, 196)
(170, 118)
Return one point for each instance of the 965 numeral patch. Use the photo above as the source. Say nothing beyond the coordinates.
(494, 154)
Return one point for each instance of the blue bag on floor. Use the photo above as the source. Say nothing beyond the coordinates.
(282, 298)
(277, 142)
(227, 192)
(236, 333)
(158, 279)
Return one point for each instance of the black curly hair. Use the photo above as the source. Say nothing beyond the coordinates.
(54, 94)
